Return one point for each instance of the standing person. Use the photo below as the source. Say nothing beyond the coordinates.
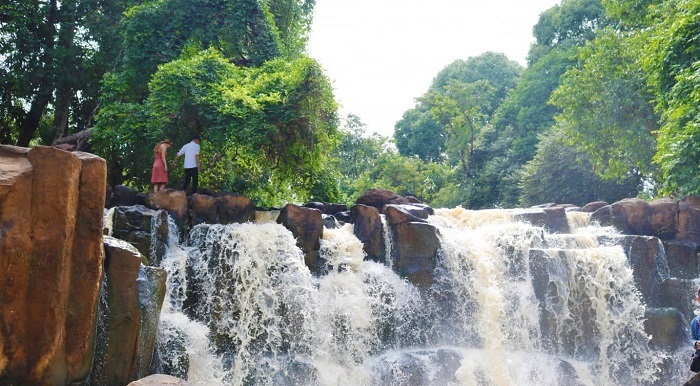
(159, 174)
(695, 336)
(192, 165)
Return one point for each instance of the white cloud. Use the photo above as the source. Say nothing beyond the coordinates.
(382, 54)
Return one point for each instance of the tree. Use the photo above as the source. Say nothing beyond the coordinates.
(606, 108)
(266, 130)
(420, 133)
(672, 58)
(562, 174)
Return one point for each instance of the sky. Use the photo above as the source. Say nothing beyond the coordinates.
(382, 54)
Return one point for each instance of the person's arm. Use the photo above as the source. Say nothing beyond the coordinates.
(199, 167)
(163, 153)
(177, 156)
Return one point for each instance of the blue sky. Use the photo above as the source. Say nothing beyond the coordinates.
(382, 54)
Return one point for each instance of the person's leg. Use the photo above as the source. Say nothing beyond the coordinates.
(188, 176)
(195, 180)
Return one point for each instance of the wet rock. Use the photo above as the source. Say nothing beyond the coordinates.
(552, 219)
(125, 196)
(172, 201)
(369, 230)
(235, 208)
(307, 227)
(396, 214)
(593, 206)
(683, 258)
(663, 218)
(203, 209)
(679, 294)
(133, 298)
(666, 328)
(689, 219)
(380, 197)
(144, 228)
(415, 252)
(647, 259)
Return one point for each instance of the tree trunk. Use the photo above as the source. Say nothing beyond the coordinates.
(30, 123)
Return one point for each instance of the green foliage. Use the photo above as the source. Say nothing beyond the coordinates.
(266, 130)
(562, 174)
(673, 59)
(606, 107)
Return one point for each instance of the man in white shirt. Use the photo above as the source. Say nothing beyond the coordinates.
(192, 165)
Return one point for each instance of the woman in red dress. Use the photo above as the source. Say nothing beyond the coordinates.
(159, 175)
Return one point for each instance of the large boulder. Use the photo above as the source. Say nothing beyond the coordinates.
(663, 218)
(51, 213)
(416, 244)
(666, 328)
(380, 197)
(306, 225)
(368, 227)
(553, 219)
(683, 258)
(133, 298)
(630, 216)
(172, 201)
(124, 196)
(144, 228)
(689, 219)
(647, 259)
(203, 209)
(235, 208)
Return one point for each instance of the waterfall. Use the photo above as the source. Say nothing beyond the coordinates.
(511, 304)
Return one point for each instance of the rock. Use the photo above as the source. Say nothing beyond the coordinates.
(327, 208)
(160, 380)
(679, 294)
(307, 227)
(631, 216)
(144, 228)
(553, 219)
(396, 214)
(235, 208)
(693, 381)
(344, 217)
(646, 257)
(368, 227)
(124, 196)
(683, 258)
(415, 251)
(663, 219)
(666, 328)
(49, 199)
(593, 206)
(689, 219)
(134, 295)
(203, 209)
(172, 201)
(380, 197)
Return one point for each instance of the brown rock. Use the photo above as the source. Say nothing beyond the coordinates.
(380, 197)
(131, 315)
(307, 227)
(235, 208)
(172, 201)
(663, 219)
(630, 216)
(593, 206)
(396, 214)
(416, 246)
(55, 197)
(553, 219)
(16, 179)
(202, 209)
(51, 210)
(689, 219)
(86, 267)
(368, 227)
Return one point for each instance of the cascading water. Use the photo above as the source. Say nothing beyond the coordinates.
(511, 305)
